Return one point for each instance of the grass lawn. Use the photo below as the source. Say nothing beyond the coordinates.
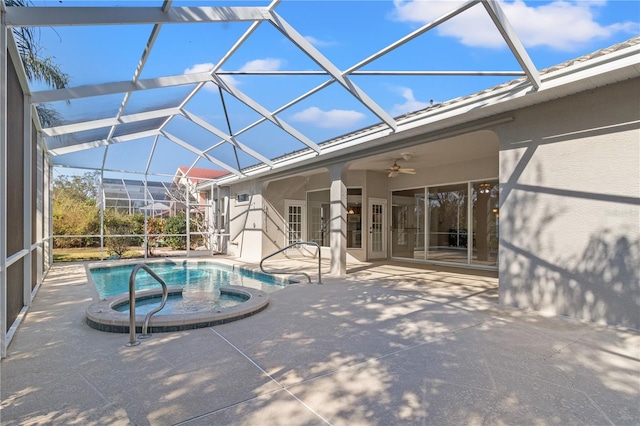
(76, 254)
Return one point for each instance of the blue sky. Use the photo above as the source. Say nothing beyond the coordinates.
(345, 32)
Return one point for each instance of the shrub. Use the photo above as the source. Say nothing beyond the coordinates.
(176, 225)
(117, 224)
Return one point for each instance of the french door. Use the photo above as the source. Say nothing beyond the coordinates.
(377, 246)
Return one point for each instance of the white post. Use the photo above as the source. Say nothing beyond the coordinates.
(47, 199)
(188, 216)
(145, 240)
(3, 184)
(39, 207)
(218, 218)
(27, 210)
(103, 200)
(338, 220)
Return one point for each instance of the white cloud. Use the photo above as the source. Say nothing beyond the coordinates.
(562, 25)
(199, 68)
(207, 67)
(333, 119)
(267, 64)
(319, 43)
(410, 104)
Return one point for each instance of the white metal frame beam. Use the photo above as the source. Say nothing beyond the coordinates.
(107, 122)
(236, 93)
(227, 138)
(112, 88)
(100, 142)
(166, 14)
(502, 23)
(310, 50)
(199, 153)
(75, 16)
(3, 182)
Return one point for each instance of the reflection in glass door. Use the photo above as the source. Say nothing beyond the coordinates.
(448, 236)
(318, 205)
(377, 228)
(408, 223)
(484, 196)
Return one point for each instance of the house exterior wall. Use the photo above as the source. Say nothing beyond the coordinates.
(245, 221)
(569, 213)
(569, 206)
(374, 184)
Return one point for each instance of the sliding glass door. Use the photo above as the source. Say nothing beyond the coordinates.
(448, 233)
(408, 223)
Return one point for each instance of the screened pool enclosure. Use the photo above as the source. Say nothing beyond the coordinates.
(303, 125)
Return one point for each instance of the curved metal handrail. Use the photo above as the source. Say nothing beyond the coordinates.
(132, 304)
(297, 243)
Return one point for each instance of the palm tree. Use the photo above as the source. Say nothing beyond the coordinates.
(38, 67)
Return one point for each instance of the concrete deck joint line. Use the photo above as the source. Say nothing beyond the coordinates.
(270, 377)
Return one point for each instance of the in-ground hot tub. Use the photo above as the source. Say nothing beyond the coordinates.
(201, 294)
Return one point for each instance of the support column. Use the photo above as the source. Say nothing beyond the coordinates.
(27, 208)
(338, 220)
(188, 222)
(39, 208)
(3, 184)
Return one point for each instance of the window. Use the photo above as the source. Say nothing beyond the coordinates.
(242, 198)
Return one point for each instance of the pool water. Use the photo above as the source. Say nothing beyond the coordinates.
(201, 282)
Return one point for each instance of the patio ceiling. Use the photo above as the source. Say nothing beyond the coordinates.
(193, 118)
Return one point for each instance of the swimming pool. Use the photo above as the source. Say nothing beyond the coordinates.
(201, 282)
(201, 294)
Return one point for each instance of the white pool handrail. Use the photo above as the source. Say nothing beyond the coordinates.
(296, 243)
(132, 304)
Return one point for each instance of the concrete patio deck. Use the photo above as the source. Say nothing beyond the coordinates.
(388, 344)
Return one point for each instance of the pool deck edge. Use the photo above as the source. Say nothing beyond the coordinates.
(101, 315)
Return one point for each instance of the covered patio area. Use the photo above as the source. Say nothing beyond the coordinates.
(389, 343)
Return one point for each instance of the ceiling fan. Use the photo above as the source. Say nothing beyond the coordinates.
(395, 170)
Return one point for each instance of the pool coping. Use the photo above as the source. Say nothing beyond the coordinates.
(101, 315)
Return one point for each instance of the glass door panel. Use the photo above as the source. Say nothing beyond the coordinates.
(448, 237)
(485, 222)
(407, 224)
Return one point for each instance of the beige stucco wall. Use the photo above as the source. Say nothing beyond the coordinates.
(570, 214)
(246, 222)
(569, 173)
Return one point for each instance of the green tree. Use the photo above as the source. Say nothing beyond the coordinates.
(75, 211)
(37, 66)
(74, 217)
(83, 188)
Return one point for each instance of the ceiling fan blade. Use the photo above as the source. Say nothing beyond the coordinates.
(393, 174)
(409, 171)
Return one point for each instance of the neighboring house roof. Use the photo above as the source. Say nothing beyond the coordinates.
(199, 175)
